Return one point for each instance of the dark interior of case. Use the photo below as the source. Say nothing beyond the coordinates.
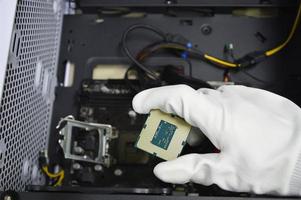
(92, 40)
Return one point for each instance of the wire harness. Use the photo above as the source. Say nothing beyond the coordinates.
(44, 165)
(183, 48)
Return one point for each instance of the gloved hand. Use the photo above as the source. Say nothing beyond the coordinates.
(258, 133)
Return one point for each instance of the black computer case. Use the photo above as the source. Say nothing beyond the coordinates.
(91, 38)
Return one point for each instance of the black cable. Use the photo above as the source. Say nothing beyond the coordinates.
(127, 51)
(177, 48)
(255, 78)
(230, 52)
(180, 43)
(189, 65)
(129, 82)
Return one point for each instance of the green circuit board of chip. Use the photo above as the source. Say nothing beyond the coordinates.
(164, 134)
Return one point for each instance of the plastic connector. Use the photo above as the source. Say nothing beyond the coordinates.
(184, 55)
(43, 159)
(252, 59)
(179, 39)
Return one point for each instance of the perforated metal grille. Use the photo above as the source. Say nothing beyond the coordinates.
(27, 98)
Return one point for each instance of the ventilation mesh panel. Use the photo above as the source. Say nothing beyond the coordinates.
(26, 103)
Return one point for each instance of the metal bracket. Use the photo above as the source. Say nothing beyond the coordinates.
(105, 133)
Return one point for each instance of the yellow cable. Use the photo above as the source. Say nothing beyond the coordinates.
(51, 175)
(234, 65)
(60, 175)
(206, 56)
(59, 182)
(294, 28)
(221, 62)
(267, 53)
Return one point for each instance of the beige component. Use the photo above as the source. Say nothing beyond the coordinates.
(109, 71)
(164, 135)
(257, 12)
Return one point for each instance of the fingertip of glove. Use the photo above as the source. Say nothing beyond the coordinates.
(137, 103)
(157, 170)
(171, 172)
(162, 172)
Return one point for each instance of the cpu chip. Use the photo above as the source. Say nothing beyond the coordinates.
(163, 135)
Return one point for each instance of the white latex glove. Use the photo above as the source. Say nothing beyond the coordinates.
(258, 133)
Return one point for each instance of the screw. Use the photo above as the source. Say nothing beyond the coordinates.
(98, 168)
(206, 29)
(165, 190)
(132, 114)
(76, 166)
(118, 172)
(170, 2)
(98, 21)
(78, 150)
